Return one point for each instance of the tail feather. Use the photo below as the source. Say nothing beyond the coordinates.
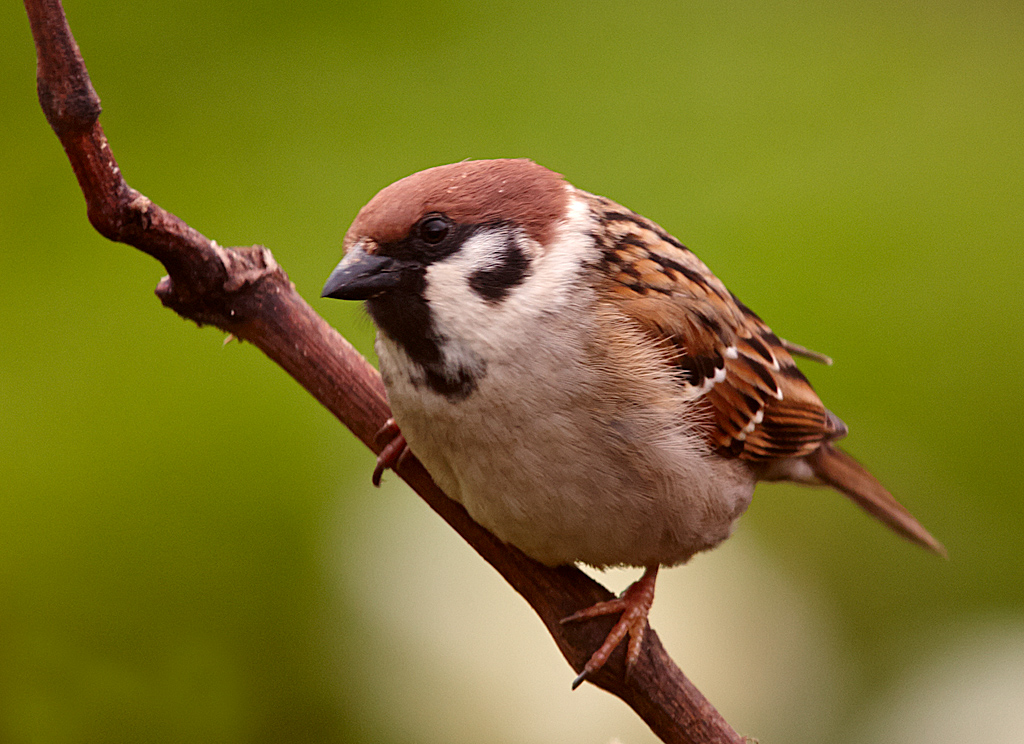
(843, 473)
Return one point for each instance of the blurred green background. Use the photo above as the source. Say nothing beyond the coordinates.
(189, 547)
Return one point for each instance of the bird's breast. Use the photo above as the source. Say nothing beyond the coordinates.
(546, 454)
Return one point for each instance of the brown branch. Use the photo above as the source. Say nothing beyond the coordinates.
(244, 291)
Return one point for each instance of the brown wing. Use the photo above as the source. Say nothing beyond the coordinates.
(762, 406)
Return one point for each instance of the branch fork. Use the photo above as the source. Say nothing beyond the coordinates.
(246, 293)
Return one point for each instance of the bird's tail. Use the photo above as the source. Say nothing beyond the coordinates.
(840, 471)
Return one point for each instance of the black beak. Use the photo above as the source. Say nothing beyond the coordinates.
(362, 276)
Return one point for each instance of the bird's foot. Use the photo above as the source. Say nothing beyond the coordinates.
(394, 451)
(634, 604)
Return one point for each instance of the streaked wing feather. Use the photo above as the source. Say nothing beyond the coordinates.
(761, 405)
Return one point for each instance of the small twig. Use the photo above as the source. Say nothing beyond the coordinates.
(244, 292)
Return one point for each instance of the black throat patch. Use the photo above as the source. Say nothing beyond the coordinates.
(405, 318)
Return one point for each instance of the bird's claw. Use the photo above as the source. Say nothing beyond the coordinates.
(394, 451)
(634, 604)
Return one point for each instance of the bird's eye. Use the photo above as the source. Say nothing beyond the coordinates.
(433, 229)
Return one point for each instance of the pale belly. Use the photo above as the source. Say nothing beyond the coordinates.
(568, 479)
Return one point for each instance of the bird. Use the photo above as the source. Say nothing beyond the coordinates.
(579, 380)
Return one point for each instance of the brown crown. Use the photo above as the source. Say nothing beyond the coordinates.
(473, 192)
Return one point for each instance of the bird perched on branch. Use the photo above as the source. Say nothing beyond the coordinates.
(579, 380)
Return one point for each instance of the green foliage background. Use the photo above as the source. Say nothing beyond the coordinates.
(853, 171)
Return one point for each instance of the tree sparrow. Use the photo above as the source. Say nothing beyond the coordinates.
(578, 379)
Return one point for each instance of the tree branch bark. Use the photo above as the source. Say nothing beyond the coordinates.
(244, 291)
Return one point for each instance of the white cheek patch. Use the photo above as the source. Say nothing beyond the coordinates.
(556, 269)
(448, 291)
(527, 281)
(464, 317)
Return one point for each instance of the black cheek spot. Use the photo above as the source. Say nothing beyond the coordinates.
(511, 268)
